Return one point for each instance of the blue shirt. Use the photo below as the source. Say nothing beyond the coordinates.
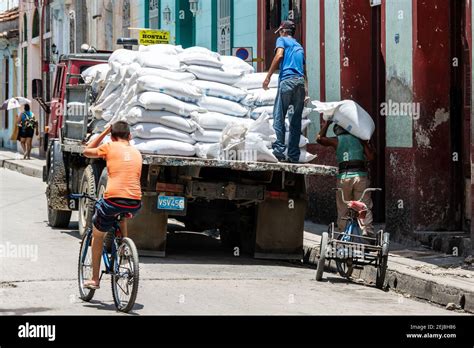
(293, 61)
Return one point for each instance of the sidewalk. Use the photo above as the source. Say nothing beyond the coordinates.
(14, 161)
(412, 271)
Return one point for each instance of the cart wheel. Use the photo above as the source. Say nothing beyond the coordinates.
(345, 267)
(322, 256)
(381, 271)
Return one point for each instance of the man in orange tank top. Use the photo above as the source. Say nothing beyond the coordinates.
(123, 192)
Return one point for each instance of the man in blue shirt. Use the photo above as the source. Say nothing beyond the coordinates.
(292, 90)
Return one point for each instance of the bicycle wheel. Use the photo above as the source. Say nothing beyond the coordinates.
(345, 267)
(125, 277)
(322, 256)
(85, 266)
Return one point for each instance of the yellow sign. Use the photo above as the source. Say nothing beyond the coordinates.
(153, 37)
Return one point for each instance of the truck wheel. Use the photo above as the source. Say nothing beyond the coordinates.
(101, 186)
(56, 189)
(59, 218)
(86, 207)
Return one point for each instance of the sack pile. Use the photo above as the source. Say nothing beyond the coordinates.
(184, 102)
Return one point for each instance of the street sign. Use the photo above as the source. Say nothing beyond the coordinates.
(153, 37)
(244, 53)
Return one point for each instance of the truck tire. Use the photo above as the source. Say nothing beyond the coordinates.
(56, 191)
(102, 183)
(59, 218)
(86, 206)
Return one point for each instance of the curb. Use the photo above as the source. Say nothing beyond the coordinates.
(17, 167)
(404, 283)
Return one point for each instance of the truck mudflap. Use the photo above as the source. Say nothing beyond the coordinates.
(56, 191)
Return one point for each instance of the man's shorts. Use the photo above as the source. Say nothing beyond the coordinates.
(106, 211)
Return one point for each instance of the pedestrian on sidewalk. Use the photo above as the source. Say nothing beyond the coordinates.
(352, 156)
(28, 126)
(292, 91)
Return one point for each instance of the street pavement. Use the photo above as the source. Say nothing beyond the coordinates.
(196, 278)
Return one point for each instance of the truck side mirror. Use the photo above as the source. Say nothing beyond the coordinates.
(37, 86)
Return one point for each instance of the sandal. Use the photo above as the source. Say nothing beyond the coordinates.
(89, 284)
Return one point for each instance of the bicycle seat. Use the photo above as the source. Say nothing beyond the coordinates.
(124, 216)
(357, 206)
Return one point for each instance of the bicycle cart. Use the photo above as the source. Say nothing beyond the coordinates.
(120, 257)
(350, 249)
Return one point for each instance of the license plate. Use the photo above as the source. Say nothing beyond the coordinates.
(171, 203)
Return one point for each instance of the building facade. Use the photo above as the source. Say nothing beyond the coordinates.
(9, 66)
(407, 62)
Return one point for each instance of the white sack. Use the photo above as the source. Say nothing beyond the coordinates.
(159, 61)
(208, 150)
(349, 115)
(220, 90)
(305, 156)
(123, 56)
(253, 81)
(98, 71)
(161, 49)
(264, 97)
(218, 121)
(157, 131)
(199, 58)
(170, 75)
(163, 102)
(200, 50)
(207, 136)
(263, 127)
(180, 90)
(255, 145)
(235, 63)
(138, 114)
(164, 147)
(223, 106)
(217, 75)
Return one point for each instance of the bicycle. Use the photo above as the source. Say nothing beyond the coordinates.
(116, 251)
(349, 248)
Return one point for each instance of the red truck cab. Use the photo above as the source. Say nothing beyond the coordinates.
(68, 72)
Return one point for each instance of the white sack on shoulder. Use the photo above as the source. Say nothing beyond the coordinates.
(253, 81)
(220, 90)
(349, 115)
(157, 131)
(159, 61)
(223, 106)
(217, 75)
(163, 102)
(218, 121)
(164, 147)
(180, 90)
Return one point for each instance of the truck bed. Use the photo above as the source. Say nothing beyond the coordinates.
(74, 146)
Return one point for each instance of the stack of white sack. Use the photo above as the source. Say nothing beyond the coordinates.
(246, 141)
(184, 97)
(349, 115)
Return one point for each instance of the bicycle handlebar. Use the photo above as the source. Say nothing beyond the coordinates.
(369, 189)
